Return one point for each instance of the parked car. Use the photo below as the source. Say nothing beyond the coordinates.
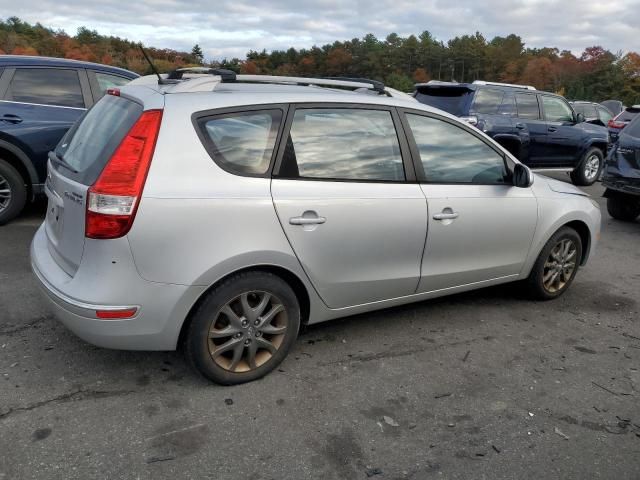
(40, 98)
(592, 112)
(621, 175)
(614, 106)
(221, 212)
(539, 128)
(617, 123)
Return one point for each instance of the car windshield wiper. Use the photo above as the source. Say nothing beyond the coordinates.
(59, 160)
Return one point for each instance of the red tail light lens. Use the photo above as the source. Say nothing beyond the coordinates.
(113, 199)
(116, 314)
(614, 124)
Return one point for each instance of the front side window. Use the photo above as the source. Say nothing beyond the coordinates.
(487, 101)
(107, 81)
(589, 112)
(527, 105)
(604, 115)
(556, 110)
(451, 154)
(343, 144)
(242, 142)
(47, 86)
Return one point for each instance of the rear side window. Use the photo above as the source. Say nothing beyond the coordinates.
(242, 142)
(627, 115)
(343, 144)
(487, 101)
(106, 81)
(453, 100)
(450, 154)
(91, 142)
(527, 106)
(508, 106)
(633, 128)
(47, 86)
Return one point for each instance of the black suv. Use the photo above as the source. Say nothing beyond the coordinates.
(621, 175)
(40, 98)
(541, 129)
(593, 112)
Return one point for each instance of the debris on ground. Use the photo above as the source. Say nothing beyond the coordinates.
(228, 401)
(390, 421)
(373, 471)
(557, 431)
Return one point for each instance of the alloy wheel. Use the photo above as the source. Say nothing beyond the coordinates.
(591, 167)
(560, 265)
(247, 331)
(5, 193)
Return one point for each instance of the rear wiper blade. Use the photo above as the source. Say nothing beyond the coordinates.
(61, 161)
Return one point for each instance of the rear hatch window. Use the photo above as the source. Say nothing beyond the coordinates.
(628, 115)
(84, 151)
(452, 99)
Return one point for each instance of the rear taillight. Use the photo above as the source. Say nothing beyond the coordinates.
(113, 199)
(614, 124)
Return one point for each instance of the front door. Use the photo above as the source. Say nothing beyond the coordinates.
(340, 192)
(480, 225)
(564, 140)
(529, 122)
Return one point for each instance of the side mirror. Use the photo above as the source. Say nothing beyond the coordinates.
(580, 118)
(522, 176)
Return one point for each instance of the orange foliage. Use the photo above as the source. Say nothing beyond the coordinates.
(420, 75)
(249, 68)
(24, 51)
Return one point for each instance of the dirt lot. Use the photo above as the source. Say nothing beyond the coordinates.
(480, 385)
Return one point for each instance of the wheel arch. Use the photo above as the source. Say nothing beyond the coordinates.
(20, 161)
(585, 237)
(292, 279)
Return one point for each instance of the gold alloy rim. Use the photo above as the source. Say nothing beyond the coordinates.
(560, 266)
(247, 331)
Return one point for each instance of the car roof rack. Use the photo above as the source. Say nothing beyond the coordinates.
(498, 84)
(197, 79)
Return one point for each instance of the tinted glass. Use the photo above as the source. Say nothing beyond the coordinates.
(556, 110)
(106, 81)
(450, 154)
(48, 86)
(487, 101)
(243, 142)
(633, 128)
(451, 100)
(343, 144)
(604, 115)
(508, 106)
(92, 140)
(527, 106)
(589, 111)
(627, 115)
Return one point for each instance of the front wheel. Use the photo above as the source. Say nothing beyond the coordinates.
(244, 328)
(623, 207)
(13, 192)
(556, 266)
(589, 168)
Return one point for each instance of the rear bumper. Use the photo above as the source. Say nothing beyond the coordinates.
(162, 308)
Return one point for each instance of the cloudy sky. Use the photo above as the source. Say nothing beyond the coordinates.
(228, 28)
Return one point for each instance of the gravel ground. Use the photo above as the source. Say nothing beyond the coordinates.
(479, 385)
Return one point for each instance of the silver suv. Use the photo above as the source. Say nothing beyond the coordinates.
(221, 212)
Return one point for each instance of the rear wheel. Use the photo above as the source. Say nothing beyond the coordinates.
(556, 266)
(588, 170)
(623, 207)
(13, 192)
(244, 328)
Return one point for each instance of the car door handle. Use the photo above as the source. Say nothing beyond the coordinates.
(552, 129)
(446, 216)
(520, 126)
(11, 118)
(307, 220)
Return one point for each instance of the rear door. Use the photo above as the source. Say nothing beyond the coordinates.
(480, 225)
(39, 105)
(342, 195)
(74, 166)
(564, 140)
(529, 123)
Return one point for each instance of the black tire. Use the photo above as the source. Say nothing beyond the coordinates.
(583, 175)
(624, 207)
(535, 282)
(198, 345)
(11, 179)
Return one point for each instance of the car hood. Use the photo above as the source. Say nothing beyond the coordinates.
(563, 187)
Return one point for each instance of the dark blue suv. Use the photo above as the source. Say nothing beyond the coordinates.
(540, 129)
(40, 98)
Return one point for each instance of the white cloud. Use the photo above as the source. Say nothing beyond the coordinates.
(230, 28)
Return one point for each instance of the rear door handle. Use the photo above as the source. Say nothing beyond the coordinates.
(552, 129)
(307, 220)
(11, 118)
(520, 126)
(445, 216)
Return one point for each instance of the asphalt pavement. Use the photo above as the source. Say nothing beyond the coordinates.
(482, 385)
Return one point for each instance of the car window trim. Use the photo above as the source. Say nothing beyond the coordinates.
(200, 117)
(415, 151)
(10, 72)
(405, 153)
(486, 89)
(93, 81)
(540, 114)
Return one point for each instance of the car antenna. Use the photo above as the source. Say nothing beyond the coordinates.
(153, 67)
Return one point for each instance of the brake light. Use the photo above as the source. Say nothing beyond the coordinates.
(615, 124)
(116, 314)
(113, 199)
(113, 91)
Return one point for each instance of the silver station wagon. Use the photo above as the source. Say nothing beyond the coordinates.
(219, 212)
